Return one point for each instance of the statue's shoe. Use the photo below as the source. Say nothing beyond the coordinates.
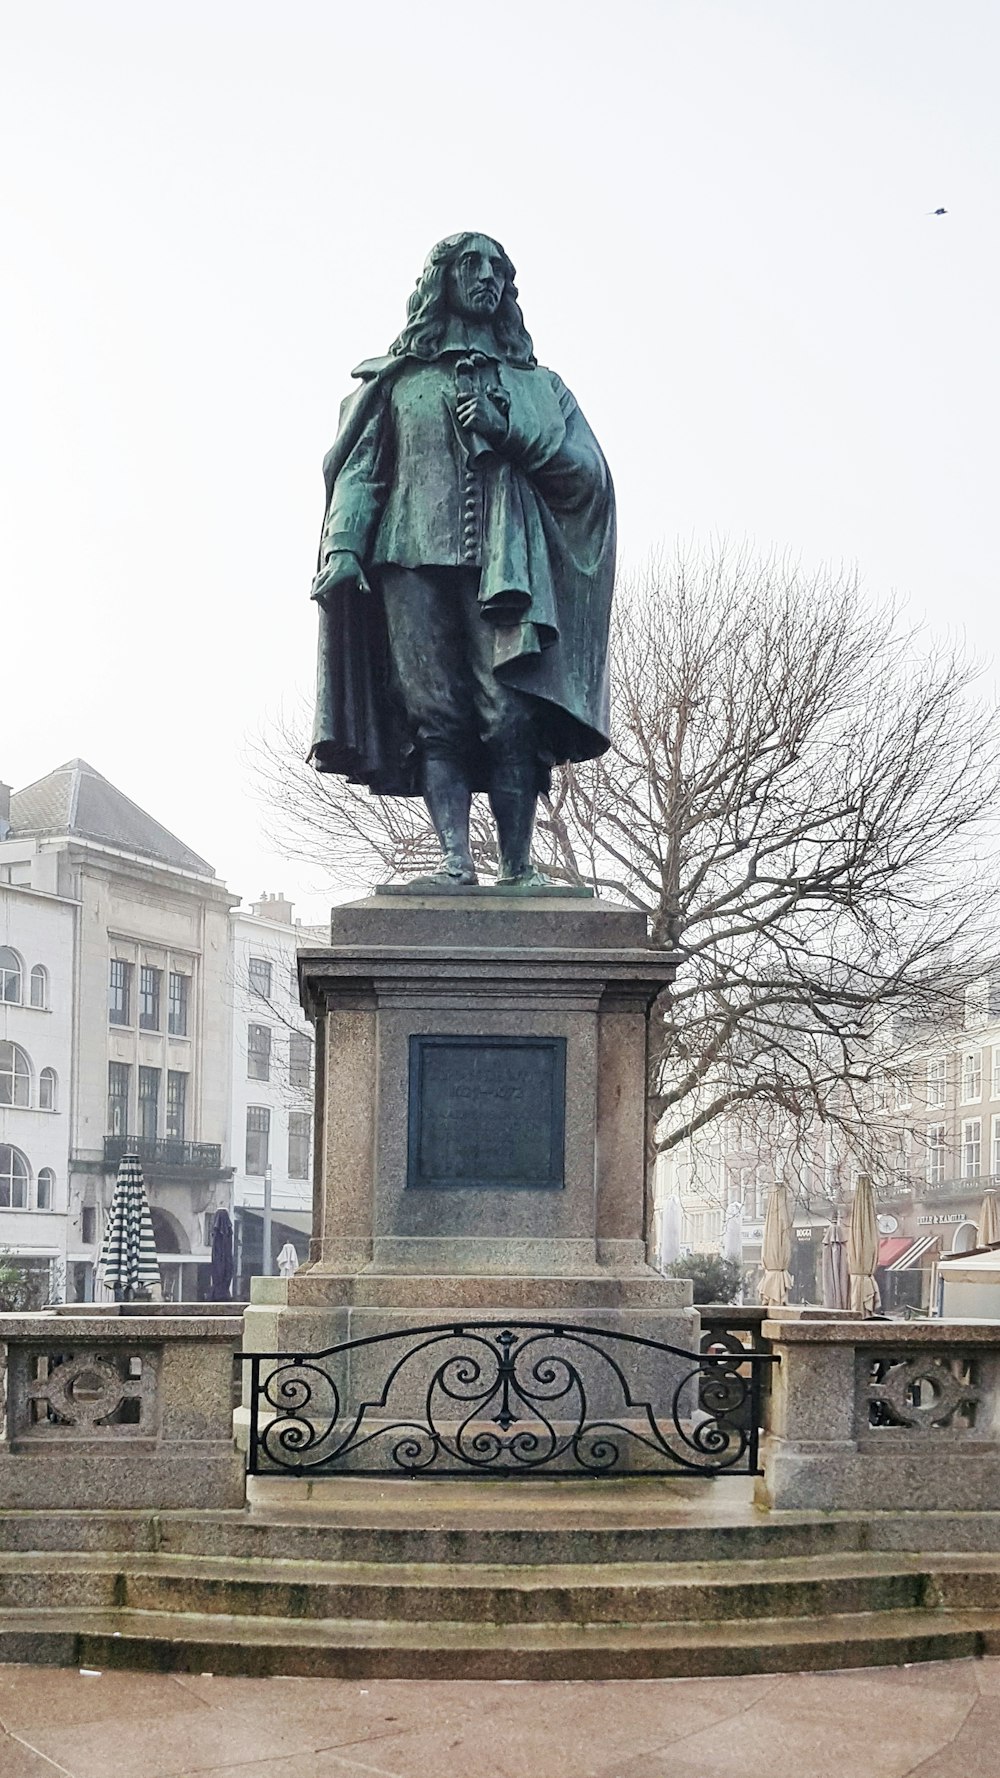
(455, 873)
(528, 879)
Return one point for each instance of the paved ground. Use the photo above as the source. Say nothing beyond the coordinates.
(935, 1721)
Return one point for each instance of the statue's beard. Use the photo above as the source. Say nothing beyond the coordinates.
(479, 305)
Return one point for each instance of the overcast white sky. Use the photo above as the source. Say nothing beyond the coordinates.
(213, 210)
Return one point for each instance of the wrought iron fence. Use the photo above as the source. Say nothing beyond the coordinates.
(505, 1399)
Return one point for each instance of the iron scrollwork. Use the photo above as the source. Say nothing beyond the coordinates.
(504, 1399)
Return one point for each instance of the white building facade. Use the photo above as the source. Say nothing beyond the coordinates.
(149, 1062)
(37, 950)
(271, 1124)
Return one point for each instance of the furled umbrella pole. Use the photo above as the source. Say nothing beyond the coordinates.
(862, 1249)
(836, 1277)
(776, 1249)
(221, 1281)
(127, 1261)
(989, 1220)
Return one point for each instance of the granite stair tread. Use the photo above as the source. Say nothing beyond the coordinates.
(660, 1574)
(192, 1641)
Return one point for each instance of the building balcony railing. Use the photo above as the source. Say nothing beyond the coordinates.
(165, 1155)
(958, 1186)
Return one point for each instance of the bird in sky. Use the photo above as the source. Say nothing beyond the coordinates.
(940, 212)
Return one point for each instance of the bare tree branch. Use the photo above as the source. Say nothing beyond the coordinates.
(800, 794)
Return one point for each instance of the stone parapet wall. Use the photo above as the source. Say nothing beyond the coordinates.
(131, 1412)
(882, 1416)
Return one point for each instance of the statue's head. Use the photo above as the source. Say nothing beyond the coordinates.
(468, 275)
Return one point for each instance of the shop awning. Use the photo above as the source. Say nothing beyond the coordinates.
(918, 1253)
(890, 1248)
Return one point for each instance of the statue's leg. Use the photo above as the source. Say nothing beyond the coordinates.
(427, 643)
(513, 795)
(449, 803)
(507, 726)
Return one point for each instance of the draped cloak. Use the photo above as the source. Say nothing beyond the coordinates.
(546, 580)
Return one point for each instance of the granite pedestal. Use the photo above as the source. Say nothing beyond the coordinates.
(480, 1123)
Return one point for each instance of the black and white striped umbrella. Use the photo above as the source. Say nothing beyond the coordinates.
(127, 1260)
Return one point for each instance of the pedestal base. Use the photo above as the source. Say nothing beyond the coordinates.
(496, 1375)
(312, 1311)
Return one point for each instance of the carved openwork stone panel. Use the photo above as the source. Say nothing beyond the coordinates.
(928, 1392)
(104, 1393)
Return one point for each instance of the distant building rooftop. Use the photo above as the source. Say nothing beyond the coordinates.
(76, 801)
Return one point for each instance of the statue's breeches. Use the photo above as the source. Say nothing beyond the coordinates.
(442, 656)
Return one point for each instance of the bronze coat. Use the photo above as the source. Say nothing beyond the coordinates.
(546, 545)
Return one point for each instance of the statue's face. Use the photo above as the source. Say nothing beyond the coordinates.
(476, 279)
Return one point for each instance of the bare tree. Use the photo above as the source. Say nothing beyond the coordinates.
(799, 795)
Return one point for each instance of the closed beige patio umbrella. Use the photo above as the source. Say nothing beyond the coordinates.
(836, 1278)
(862, 1249)
(776, 1248)
(989, 1220)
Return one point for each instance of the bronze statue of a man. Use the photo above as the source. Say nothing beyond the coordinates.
(466, 567)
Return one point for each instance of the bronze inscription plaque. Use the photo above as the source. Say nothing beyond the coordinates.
(487, 1112)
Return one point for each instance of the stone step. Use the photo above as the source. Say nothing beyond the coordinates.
(578, 1593)
(405, 1535)
(411, 1530)
(495, 1537)
(416, 1650)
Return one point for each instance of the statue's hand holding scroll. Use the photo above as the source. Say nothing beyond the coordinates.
(340, 573)
(485, 413)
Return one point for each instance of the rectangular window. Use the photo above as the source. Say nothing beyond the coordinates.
(149, 998)
(299, 1133)
(258, 1052)
(299, 1062)
(972, 1147)
(995, 1083)
(149, 1103)
(935, 1154)
(995, 1148)
(937, 1080)
(88, 1225)
(904, 1089)
(177, 1009)
(258, 1138)
(118, 1090)
(972, 1076)
(120, 992)
(176, 1105)
(260, 977)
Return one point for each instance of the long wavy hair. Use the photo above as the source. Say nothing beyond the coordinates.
(427, 310)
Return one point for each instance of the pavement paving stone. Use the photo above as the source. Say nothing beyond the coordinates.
(975, 1750)
(39, 1697)
(146, 1744)
(866, 1698)
(930, 1721)
(18, 1761)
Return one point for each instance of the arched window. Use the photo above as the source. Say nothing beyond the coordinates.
(40, 986)
(10, 976)
(45, 1188)
(15, 1075)
(167, 1232)
(47, 1090)
(14, 1174)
